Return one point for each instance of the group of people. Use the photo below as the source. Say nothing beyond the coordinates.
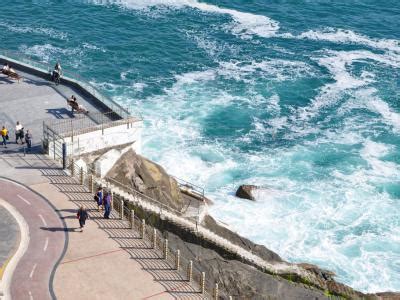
(20, 135)
(104, 202)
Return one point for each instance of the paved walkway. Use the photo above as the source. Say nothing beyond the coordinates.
(32, 275)
(106, 261)
(107, 251)
(9, 237)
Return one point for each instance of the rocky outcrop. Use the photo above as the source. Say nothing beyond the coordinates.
(148, 178)
(237, 279)
(246, 192)
(234, 274)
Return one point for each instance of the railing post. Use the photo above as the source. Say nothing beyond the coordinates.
(203, 282)
(143, 228)
(165, 249)
(154, 243)
(216, 291)
(81, 176)
(121, 209)
(72, 167)
(54, 146)
(190, 271)
(90, 183)
(132, 219)
(177, 260)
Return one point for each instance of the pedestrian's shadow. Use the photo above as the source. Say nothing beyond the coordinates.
(55, 229)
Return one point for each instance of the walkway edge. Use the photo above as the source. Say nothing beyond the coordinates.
(51, 289)
(5, 283)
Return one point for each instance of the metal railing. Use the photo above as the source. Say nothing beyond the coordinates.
(88, 123)
(122, 207)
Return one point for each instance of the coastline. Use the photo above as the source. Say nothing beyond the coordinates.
(289, 278)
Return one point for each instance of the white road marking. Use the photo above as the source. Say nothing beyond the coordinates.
(30, 296)
(43, 220)
(23, 199)
(46, 244)
(33, 271)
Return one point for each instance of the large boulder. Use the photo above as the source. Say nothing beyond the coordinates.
(245, 191)
(148, 178)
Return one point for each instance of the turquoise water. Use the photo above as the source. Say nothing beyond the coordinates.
(299, 97)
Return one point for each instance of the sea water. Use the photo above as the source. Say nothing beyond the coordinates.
(298, 97)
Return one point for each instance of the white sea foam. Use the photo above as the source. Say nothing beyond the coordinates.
(244, 24)
(48, 52)
(36, 30)
(339, 64)
(349, 37)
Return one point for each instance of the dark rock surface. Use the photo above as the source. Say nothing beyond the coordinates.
(260, 250)
(241, 280)
(245, 191)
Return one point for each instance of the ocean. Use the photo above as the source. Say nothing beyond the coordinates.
(298, 97)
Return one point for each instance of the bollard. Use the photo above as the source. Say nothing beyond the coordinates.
(177, 260)
(190, 271)
(90, 183)
(154, 238)
(203, 282)
(230, 298)
(216, 292)
(81, 176)
(121, 212)
(72, 167)
(132, 218)
(143, 228)
(165, 249)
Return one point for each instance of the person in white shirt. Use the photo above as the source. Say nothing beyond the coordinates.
(19, 133)
(6, 68)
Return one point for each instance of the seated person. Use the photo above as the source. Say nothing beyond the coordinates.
(5, 69)
(56, 72)
(75, 105)
(10, 72)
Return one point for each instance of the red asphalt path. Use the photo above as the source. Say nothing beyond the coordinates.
(33, 277)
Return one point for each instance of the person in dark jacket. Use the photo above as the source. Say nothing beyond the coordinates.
(99, 198)
(28, 139)
(107, 202)
(82, 216)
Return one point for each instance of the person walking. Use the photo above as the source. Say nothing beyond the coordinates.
(19, 133)
(28, 139)
(107, 202)
(99, 198)
(4, 135)
(82, 216)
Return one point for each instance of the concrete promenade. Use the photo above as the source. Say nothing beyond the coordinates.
(105, 261)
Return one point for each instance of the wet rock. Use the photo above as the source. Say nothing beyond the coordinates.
(245, 191)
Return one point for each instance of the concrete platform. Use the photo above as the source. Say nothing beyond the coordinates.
(35, 99)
